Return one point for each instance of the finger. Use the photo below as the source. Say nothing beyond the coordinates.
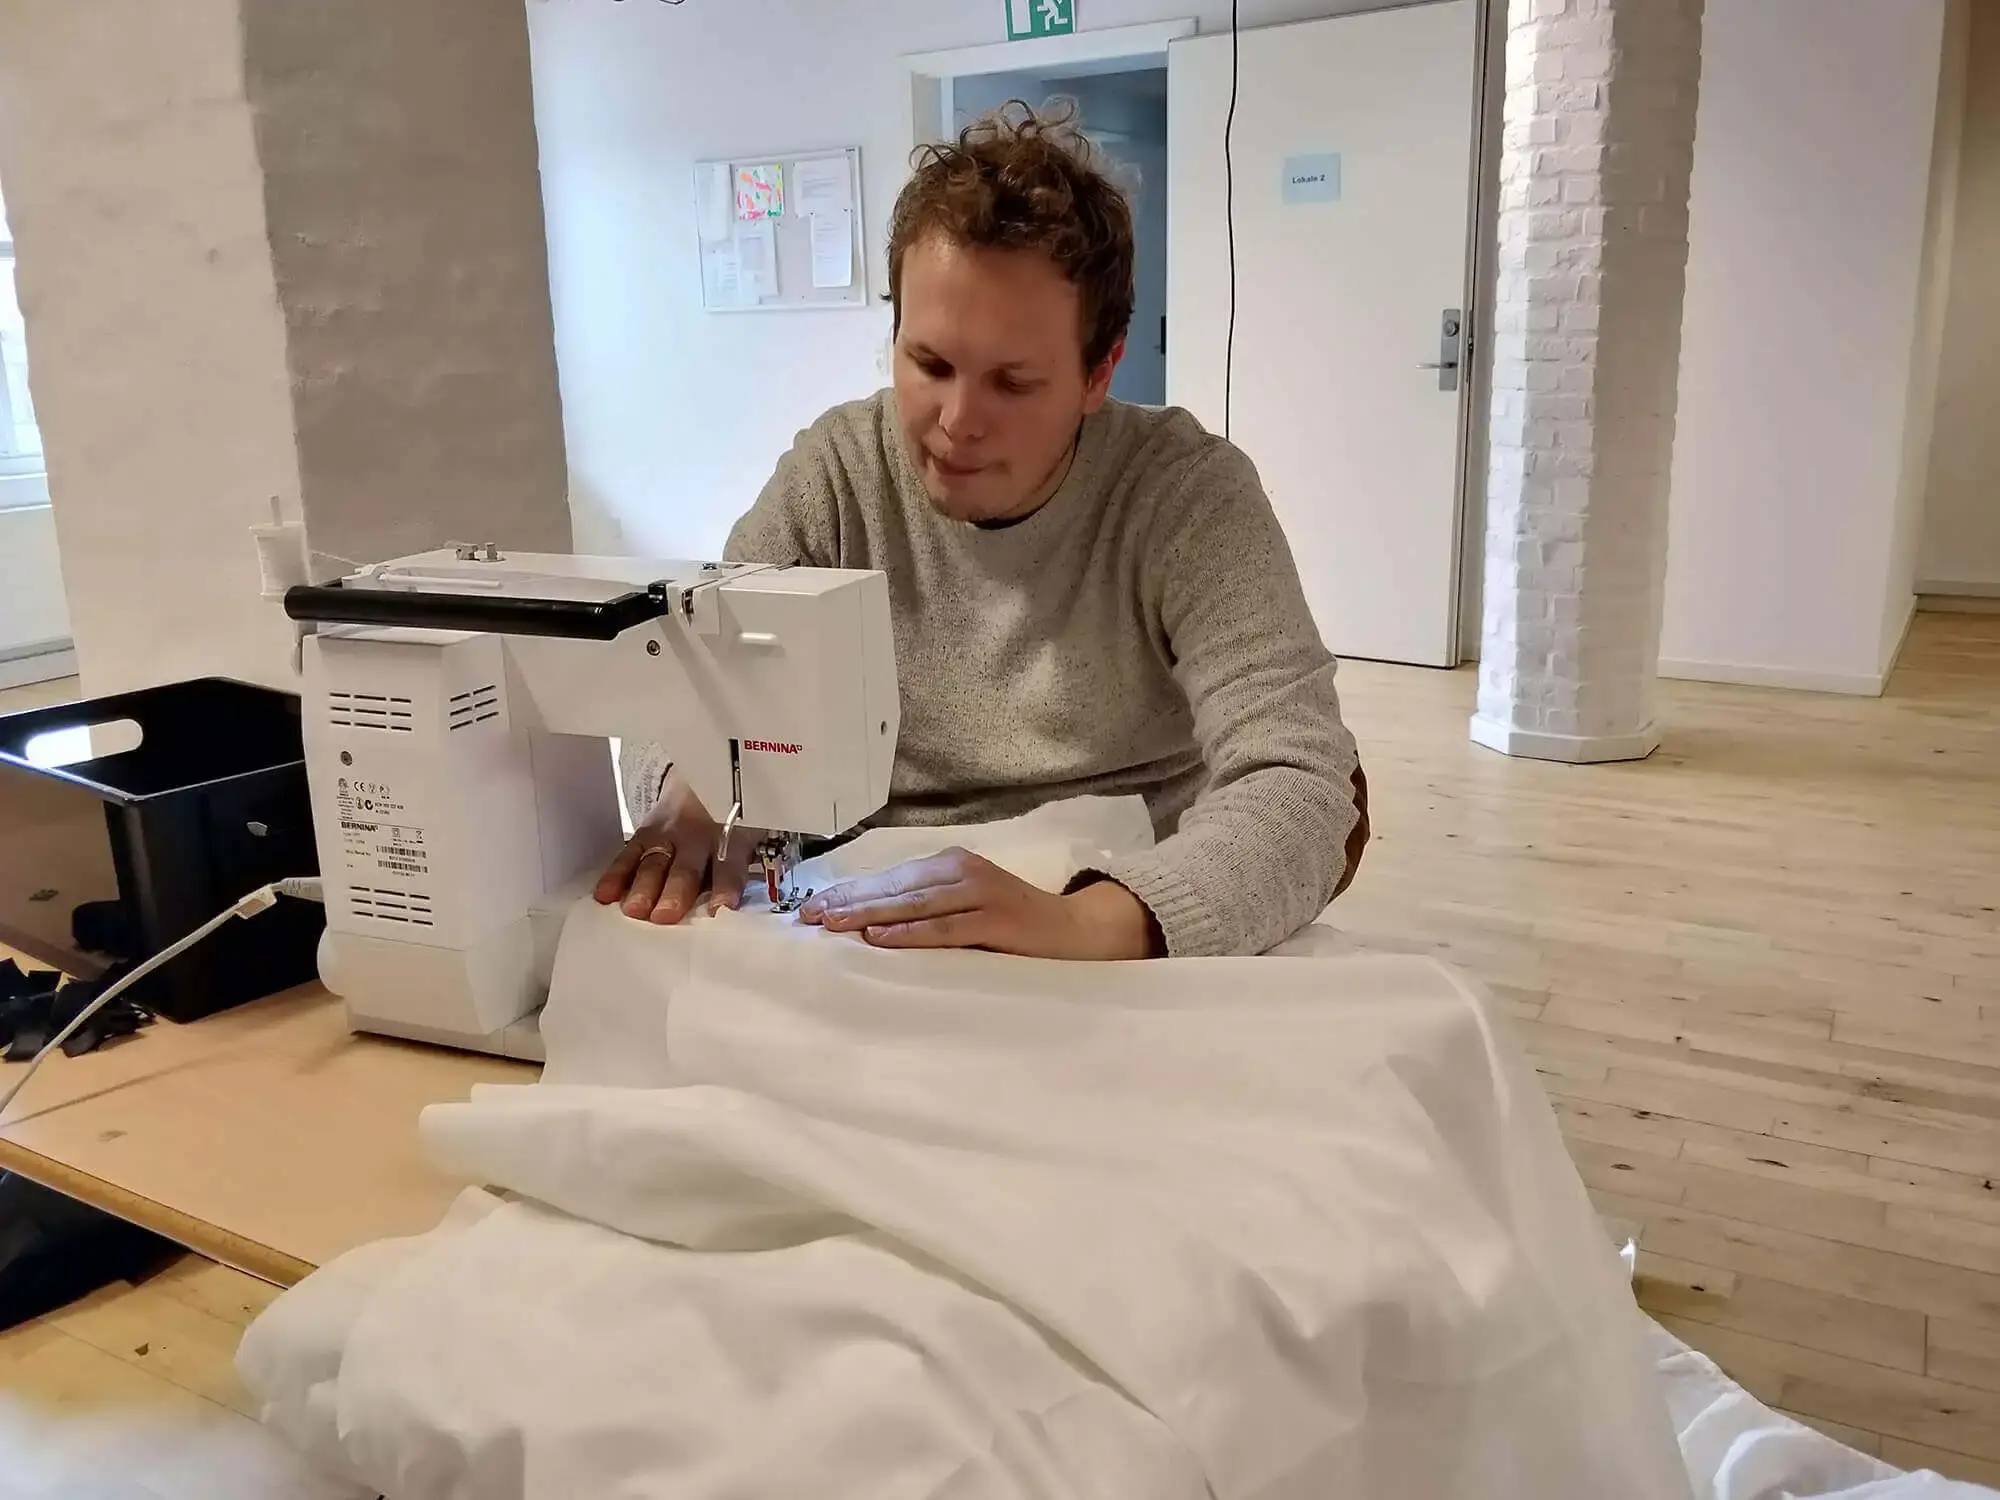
(966, 929)
(948, 868)
(617, 879)
(683, 885)
(648, 877)
(726, 889)
(908, 906)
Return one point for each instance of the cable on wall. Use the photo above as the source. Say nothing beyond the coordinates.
(1229, 198)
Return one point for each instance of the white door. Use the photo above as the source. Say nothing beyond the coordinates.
(1353, 162)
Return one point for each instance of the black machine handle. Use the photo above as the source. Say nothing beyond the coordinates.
(572, 619)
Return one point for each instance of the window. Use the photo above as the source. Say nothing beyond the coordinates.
(20, 438)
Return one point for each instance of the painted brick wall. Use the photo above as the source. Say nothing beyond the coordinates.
(1598, 148)
(404, 201)
(156, 342)
(274, 250)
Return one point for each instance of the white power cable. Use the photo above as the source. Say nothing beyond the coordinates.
(304, 888)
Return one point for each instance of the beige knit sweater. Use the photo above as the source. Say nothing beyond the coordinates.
(1143, 632)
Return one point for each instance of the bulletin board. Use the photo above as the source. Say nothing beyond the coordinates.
(781, 233)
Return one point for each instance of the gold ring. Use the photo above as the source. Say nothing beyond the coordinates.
(662, 849)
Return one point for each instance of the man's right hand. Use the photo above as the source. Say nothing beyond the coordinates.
(660, 874)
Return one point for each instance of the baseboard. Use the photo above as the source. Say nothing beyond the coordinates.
(1902, 640)
(1859, 685)
(1963, 588)
(1959, 604)
(43, 664)
(1570, 749)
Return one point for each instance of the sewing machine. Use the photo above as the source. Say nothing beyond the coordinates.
(458, 705)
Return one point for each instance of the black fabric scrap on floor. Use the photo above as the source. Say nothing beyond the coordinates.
(37, 1004)
(54, 1250)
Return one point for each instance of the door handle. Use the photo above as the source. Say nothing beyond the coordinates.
(1451, 328)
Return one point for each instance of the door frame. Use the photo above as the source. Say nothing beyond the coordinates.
(930, 73)
(1482, 227)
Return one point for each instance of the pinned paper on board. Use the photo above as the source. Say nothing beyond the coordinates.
(823, 185)
(757, 259)
(726, 276)
(833, 249)
(760, 192)
(711, 190)
(780, 233)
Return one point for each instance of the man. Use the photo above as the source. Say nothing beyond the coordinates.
(1088, 598)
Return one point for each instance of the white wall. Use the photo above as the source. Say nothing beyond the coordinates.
(1928, 348)
(32, 609)
(674, 416)
(1812, 169)
(1961, 541)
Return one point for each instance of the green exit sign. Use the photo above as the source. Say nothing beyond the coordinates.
(1032, 18)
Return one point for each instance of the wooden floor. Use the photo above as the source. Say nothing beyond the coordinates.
(131, 1395)
(1760, 974)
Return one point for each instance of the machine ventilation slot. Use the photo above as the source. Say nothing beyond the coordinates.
(475, 707)
(413, 908)
(370, 711)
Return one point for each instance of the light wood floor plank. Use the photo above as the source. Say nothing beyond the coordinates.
(1777, 1254)
(84, 1414)
(216, 1290)
(163, 1336)
(1894, 1403)
(1964, 1355)
(1847, 1173)
(1970, 1144)
(1798, 1315)
(1959, 1466)
(1682, 1274)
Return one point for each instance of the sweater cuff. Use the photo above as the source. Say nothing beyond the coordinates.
(1187, 921)
(644, 768)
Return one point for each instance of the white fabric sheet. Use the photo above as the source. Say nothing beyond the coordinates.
(790, 1216)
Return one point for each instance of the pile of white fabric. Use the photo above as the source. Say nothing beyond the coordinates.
(789, 1216)
(1736, 1448)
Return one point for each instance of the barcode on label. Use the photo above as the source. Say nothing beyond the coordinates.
(402, 865)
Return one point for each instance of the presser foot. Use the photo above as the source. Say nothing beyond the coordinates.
(780, 856)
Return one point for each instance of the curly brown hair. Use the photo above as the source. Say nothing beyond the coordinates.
(1022, 180)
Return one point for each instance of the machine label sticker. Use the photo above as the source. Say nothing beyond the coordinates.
(371, 837)
(773, 747)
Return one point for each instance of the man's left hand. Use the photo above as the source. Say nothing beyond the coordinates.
(958, 900)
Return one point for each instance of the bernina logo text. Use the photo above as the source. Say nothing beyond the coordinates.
(772, 747)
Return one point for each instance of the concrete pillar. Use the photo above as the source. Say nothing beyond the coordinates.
(265, 253)
(1597, 154)
(403, 198)
(156, 345)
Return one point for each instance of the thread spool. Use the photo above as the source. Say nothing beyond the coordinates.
(281, 557)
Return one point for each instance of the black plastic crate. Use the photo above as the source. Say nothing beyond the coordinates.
(118, 856)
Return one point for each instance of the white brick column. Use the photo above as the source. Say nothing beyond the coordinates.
(274, 251)
(1597, 153)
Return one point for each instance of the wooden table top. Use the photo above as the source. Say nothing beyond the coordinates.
(266, 1137)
